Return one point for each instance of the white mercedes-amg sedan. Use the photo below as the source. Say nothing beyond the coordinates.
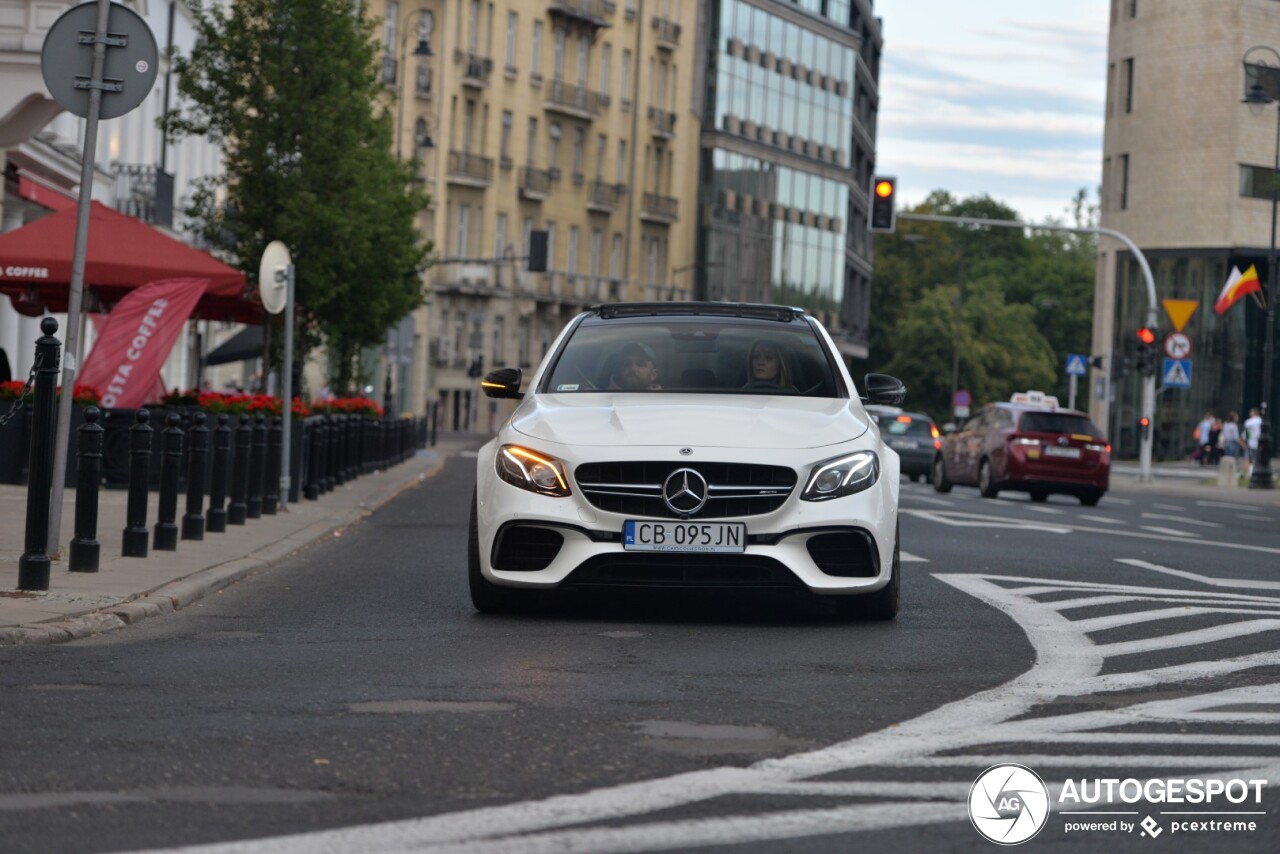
(694, 445)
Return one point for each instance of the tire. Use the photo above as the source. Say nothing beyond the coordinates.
(487, 597)
(940, 482)
(985, 483)
(915, 478)
(1039, 496)
(1091, 498)
(883, 604)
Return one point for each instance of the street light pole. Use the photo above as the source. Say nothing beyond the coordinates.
(955, 334)
(1262, 476)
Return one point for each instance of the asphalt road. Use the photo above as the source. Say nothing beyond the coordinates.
(352, 697)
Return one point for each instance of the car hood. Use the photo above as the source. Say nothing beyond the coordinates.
(656, 419)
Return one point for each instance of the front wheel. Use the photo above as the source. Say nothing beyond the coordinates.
(1091, 498)
(881, 605)
(487, 597)
(940, 482)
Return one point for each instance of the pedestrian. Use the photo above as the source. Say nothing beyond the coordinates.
(1204, 450)
(1252, 432)
(1229, 438)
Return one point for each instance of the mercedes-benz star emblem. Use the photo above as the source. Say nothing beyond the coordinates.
(685, 491)
(684, 452)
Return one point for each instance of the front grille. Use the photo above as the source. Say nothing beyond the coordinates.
(735, 489)
(682, 570)
(847, 554)
(524, 548)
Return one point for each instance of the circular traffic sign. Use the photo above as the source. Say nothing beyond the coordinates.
(1177, 345)
(129, 68)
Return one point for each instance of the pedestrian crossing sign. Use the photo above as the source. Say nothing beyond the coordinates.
(1077, 365)
(1177, 373)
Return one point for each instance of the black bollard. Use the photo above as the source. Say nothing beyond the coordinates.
(135, 532)
(271, 477)
(326, 439)
(85, 548)
(216, 518)
(193, 521)
(238, 510)
(335, 439)
(312, 488)
(340, 450)
(166, 530)
(257, 467)
(33, 566)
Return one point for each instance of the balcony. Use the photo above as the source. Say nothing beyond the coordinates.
(475, 69)
(590, 14)
(577, 101)
(145, 192)
(605, 198)
(667, 33)
(390, 69)
(534, 184)
(664, 123)
(656, 208)
(470, 170)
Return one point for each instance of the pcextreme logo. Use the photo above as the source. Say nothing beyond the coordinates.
(1008, 804)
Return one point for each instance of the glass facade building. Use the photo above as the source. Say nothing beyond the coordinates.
(788, 146)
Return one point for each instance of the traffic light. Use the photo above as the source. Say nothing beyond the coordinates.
(476, 369)
(883, 193)
(1146, 351)
(1144, 427)
(1119, 367)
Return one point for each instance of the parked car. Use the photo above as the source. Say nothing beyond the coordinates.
(695, 445)
(1028, 444)
(912, 434)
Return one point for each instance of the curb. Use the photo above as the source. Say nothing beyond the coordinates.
(183, 592)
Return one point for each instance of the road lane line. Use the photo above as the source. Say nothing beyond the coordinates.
(1169, 507)
(1183, 520)
(1106, 520)
(1198, 637)
(1242, 583)
(1254, 518)
(1172, 532)
(908, 557)
(1227, 505)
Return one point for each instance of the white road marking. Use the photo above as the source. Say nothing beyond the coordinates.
(1173, 532)
(1254, 518)
(908, 557)
(1067, 665)
(469, 454)
(1182, 520)
(1169, 507)
(1227, 505)
(1111, 499)
(1050, 510)
(1106, 520)
(1239, 583)
(973, 520)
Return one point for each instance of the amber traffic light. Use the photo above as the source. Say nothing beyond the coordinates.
(883, 191)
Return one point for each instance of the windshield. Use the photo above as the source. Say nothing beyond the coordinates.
(697, 354)
(910, 427)
(1056, 422)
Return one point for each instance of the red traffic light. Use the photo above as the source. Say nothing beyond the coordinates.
(1144, 421)
(1147, 335)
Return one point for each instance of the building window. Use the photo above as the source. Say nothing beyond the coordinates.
(553, 146)
(505, 150)
(606, 57)
(389, 26)
(579, 143)
(622, 161)
(512, 24)
(1111, 83)
(551, 246)
(571, 263)
(584, 59)
(535, 61)
(460, 236)
(615, 258)
(1128, 85)
(557, 69)
(526, 231)
(473, 34)
(531, 144)
(500, 236)
(1256, 182)
(624, 82)
(597, 247)
(522, 343)
(601, 144)
(499, 338)
(1133, 8)
(1124, 182)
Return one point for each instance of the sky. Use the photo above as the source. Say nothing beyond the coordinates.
(997, 97)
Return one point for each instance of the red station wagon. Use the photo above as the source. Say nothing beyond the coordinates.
(1029, 445)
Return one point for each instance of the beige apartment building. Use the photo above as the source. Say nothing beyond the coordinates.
(1187, 171)
(571, 117)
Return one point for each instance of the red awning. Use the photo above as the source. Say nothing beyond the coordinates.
(123, 253)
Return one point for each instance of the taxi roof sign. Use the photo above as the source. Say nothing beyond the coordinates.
(1034, 398)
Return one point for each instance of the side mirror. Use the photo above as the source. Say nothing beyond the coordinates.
(884, 389)
(504, 382)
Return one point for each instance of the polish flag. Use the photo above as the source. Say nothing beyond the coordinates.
(124, 365)
(1237, 287)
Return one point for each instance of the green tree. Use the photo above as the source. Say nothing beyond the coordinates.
(291, 90)
(1027, 302)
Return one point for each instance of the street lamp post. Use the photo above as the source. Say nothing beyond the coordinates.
(956, 306)
(1257, 96)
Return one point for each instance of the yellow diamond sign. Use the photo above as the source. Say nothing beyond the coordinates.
(1180, 311)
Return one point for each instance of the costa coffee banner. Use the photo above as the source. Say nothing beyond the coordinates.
(124, 365)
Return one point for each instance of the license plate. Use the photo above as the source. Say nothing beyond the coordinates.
(668, 536)
(902, 443)
(1055, 451)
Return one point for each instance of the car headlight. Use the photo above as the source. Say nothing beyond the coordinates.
(532, 471)
(842, 476)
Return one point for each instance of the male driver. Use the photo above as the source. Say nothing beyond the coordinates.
(634, 370)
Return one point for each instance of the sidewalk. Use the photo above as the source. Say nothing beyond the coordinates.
(126, 590)
(1186, 479)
